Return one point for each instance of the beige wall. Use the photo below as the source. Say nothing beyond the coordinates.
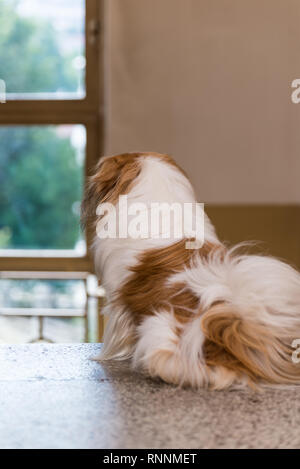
(209, 82)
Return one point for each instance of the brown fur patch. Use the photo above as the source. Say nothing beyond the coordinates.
(114, 176)
(247, 348)
(147, 291)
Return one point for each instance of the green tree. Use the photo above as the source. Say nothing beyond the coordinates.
(40, 183)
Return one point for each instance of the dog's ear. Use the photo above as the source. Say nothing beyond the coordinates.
(113, 177)
(99, 188)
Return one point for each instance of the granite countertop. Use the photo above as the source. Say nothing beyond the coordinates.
(54, 396)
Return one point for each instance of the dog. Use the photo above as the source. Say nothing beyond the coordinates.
(210, 316)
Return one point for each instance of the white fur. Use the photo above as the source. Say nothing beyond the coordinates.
(118, 333)
(264, 287)
(184, 363)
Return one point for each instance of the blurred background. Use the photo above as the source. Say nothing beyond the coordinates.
(207, 81)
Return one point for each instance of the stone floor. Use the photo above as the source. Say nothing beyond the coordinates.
(53, 396)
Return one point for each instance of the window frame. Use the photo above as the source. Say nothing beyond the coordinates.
(89, 112)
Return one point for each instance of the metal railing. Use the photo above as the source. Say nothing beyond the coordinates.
(92, 291)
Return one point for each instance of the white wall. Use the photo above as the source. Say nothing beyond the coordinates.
(209, 82)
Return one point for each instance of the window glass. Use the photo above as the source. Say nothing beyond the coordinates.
(41, 181)
(42, 48)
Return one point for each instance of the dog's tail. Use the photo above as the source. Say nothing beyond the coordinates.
(243, 349)
(251, 318)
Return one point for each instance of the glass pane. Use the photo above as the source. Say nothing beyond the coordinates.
(41, 181)
(42, 48)
(41, 294)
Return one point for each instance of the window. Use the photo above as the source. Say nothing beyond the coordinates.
(50, 134)
(41, 179)
(49, 41)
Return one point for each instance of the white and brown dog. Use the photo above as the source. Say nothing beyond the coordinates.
(205, 317)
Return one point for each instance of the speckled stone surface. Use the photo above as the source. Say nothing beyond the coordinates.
(54, 396)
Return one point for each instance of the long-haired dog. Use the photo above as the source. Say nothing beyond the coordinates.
(209, 316)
